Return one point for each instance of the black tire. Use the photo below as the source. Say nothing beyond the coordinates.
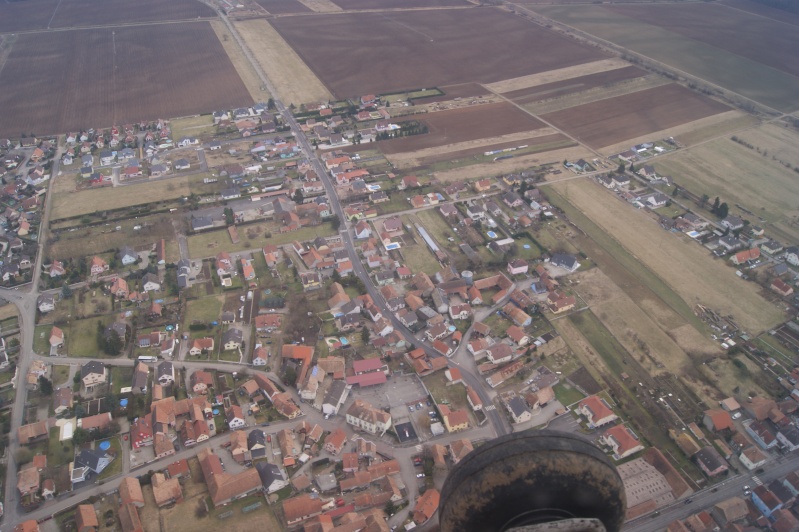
(529, 478)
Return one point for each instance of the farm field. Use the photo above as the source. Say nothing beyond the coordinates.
(741, 175)
(551, 155)
(610, 121)
(734, 72)
(155, 73)
(350, 5)
(692, 133)
(544, 140)
(559, 74)
(281, 7)
(688, 269)
(240, 63)
(293, 81)
(763, 10)
(360, 53)
(643, 336)
(210, 243)
(66, 205)
(765, 41)
(568, 86)
(462, 125)
(95, 240)
(76, 13)
(42, 14)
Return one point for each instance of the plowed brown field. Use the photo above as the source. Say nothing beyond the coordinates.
(363, 53)
(115, 76)
(569, 86)
(459, 125)
(613, 120)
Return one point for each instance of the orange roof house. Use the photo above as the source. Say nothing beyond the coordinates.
(596, 411)
(426, 506)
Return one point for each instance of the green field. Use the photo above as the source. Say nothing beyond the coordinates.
(115, 467)
(59, 453)
(204, 310)
(628, 263)
(121, 377)
(210, 243)
(68, 204)
(745, 176)
(81, 337)
(201, 127)
(749, 78)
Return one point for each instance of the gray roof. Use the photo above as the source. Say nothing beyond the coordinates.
(518, 406)
(92, 367)
(256, 437)
(164, 368)
(90, 458)
(335, 392)
(268, 473)
(232, 334)
(564, 260)
(201, 222)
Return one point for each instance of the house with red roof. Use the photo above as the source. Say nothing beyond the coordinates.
(596, 411)
(622, 441)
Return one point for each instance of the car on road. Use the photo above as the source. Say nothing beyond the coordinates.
(688, 501)
(747, 488)
(420, 475)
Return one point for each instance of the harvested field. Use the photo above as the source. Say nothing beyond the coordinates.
(615, 90)
(28, 15)
(764, 11)
(97, 240)
(280, 7)
(42, 14)
(545, 137)
(351, 5)
(293, 81)
(694, 132)
(764, 41)
(463, 90)
(560, 74)
(734, 72)
(643, 337)
(77, 13)
(464, 124)
(726, 168)
(360, 53)
(609, 121)
(568, 86)
(157, 71)
(244, 68)
(688, 269)
(109, 198)
(321, 6)
(514, 164)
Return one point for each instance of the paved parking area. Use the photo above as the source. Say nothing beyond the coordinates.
(396, 394)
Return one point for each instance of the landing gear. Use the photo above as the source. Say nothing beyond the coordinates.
(533, 479)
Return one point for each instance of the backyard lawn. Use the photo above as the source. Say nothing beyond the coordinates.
(453, 396)
(204, 310)
(121, 378)
(59, 453)
(115, 467)
(60, 375)
(81, 337)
